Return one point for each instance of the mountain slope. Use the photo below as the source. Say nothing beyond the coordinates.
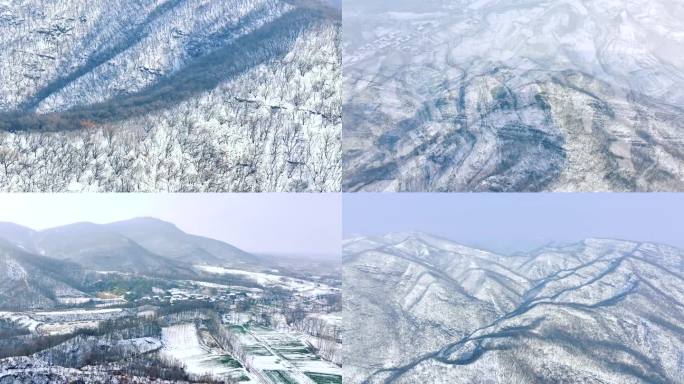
(30, 281)
(18, 235)
(93, 247)
(166, 239)
(170, 95)
(139, 42)
(143, 245)
(599, 311)
(514, 96)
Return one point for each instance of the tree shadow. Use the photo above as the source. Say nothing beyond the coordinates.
(269, 42)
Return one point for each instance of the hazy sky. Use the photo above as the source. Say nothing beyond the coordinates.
(268, 223)
(515, 222)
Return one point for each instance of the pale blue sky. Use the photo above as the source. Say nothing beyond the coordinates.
(262, 222)
(311, 223)
(516, 222)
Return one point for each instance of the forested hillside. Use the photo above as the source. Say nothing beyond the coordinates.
(239, 95)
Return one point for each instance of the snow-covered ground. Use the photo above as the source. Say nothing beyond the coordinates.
(62, 321)
(510, 95)
(596, 311)
(140, 345)
(222, 286)
(332, 319)
(303, 287)
(78, 312)
(280, 355)
(74, 300)
(181, 342)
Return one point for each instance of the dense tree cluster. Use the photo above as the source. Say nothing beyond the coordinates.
(266, 119)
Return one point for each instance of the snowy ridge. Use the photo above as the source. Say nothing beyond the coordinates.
(31, 281)
(514, 96)
(598, 311)
(141, 245)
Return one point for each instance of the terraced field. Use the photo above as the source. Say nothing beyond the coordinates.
(63, 321)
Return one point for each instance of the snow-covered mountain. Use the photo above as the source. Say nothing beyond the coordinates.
(141, 301)
(31, 281)
(144, 245)
(21, 236)
(95, 247)
(503, 95)
(169, 95)
(166, 239)
(423, 309)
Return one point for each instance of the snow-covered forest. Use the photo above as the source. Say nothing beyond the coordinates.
(594, 311)
(241, 95)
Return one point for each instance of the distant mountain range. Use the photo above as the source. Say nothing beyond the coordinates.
(141, 245)
(48, 267)
(422, 309)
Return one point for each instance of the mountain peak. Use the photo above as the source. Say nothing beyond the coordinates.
(608, 242)
(17, 234)
(145, 224)
(145, 220)
(398, 237)
(78, 227)
(14, 226)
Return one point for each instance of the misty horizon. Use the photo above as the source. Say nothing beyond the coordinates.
(512, 223)
(518, 252)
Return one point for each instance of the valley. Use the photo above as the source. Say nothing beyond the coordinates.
(597, 311)
(513, 96)
(223, 316)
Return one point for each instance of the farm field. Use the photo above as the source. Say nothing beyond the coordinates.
(185, 343)
(280, 357)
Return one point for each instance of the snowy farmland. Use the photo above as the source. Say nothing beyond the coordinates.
(281, 357)
(187, 344)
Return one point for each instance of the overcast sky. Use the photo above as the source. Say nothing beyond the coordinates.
(516, 222)
(263, 222)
